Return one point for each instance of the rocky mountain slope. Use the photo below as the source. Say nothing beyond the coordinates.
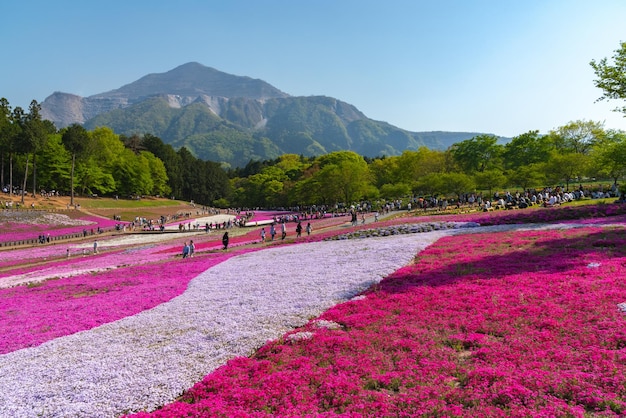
(233, 119)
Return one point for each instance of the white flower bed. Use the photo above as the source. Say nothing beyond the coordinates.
(147, 360)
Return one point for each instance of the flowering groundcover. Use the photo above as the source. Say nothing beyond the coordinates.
(520, 323)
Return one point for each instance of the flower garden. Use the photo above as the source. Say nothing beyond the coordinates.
(523, 315)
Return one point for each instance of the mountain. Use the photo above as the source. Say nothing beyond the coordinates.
(232, 119)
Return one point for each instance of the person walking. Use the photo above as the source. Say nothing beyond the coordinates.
(95, 247)
(225, 240)
(299, 229)
(284, 230)
(185, 250)
(262, 234)
(192, 248)
(272, 231)
(308, 228)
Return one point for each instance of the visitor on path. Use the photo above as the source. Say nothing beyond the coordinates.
(262, 234)
(185, 250)
(192, 248)
(284, 230)
(272, 231)
(95, 247)
(225, 240)
(308, 228)
(299, 230)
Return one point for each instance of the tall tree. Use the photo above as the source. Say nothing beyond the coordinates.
(75, 139)
(612, 76)
(579, 136)
(477, 154)
(8, 133)
(609, 156)
(527, 148)
(33, 136)
(13, 140)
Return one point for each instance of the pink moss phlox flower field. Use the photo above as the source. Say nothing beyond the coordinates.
(606, 212)
(518, 323)
(53, 308)
(508, 324)
(17, 231)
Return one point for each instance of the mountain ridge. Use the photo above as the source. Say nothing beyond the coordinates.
(234, 119)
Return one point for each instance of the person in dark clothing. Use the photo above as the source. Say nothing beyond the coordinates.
(225, 240)
(299, 230)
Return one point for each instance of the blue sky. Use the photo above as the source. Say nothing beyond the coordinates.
(492, 66)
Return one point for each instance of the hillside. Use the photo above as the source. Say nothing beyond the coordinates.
(232, 119)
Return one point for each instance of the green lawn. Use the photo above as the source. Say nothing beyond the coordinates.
(108, 203)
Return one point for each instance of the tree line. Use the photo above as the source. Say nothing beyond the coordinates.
(36, 157)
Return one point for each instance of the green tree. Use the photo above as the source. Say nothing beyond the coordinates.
(345, 174)
(612, 76)
(9, 133)
(76, 140)
(171, 161)
(384, 170)
(456, 183)
(429, 185)
(477, 154)
(527, 148)
(395, 191)
(526, 176)
(490, 180)
(54, 164)
(565, 167)
(579, 136)
(158, 173)
(609, 157)
(33, 135)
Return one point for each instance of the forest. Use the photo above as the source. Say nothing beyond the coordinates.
(37, 158)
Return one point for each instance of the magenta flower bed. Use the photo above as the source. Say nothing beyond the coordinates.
(511, 324)
(54, 308)
(590, 213)
(12, 231)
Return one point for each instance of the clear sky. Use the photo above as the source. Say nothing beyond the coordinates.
(489, 66)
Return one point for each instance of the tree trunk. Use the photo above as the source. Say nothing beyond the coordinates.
(34, 176)
(25, 178)
(72, 181)
(11, 175)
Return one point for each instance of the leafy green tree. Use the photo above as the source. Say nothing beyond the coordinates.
(395, 191)
(526, 176)
(345, 175)
(456, 183)
(477, 154)
(9, 132)
(429, 185)
(171, 161)
(76, 140)
(490, 180)
(609, 157)
(158, 173)
(33, 136)
(527, 148)
(612, 76)
(54, 164)
(565, 167)
(384, 170)
(579, 136)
